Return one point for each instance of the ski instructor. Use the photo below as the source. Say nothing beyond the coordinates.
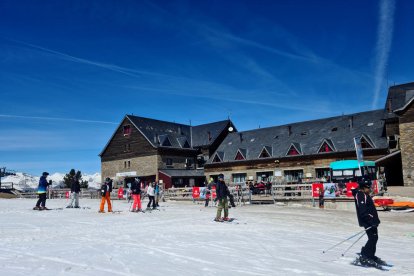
(222, 193)
(367, 218)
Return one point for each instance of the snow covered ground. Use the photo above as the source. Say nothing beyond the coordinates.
(182, 239)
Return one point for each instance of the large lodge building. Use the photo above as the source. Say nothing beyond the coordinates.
(181, 155)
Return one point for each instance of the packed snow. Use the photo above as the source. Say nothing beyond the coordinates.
(182, 239)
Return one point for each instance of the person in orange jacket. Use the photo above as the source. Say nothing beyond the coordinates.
(106, 190)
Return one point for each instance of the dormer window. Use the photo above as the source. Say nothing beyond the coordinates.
(294, 150)
(127, 130)
(326, 146)
(366, 143)
(266, 152)
(240, 155)
(218, 157)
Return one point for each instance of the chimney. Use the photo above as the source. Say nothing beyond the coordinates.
(209, 135)
(289, 130)
(389, 106)
(179, 130)
(241, 136)
(351, 122)
(155, 139)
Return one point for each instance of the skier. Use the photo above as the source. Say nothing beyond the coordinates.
(151, 196)
(208, 191)
(136, 195)
(106, 190)
(222, 194)
(367, 218)
(157, 193)
(74, 193)
(41, 191)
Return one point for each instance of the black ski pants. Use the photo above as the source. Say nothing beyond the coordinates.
(42, 200)
(151, 198)
(371, 246)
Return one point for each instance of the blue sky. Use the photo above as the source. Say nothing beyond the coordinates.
(71, 70)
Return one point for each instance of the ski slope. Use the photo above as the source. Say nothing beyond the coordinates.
(182, 239)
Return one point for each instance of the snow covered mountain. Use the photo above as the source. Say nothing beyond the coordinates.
(24, 181)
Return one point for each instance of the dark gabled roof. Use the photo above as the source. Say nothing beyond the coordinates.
(183, 142)
(399, 96)
(156, 130)
(307, 136)
(202, 133)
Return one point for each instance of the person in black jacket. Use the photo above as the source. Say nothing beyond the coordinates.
(222, 192)
(367, 218)
(106, 190)
(74, 193)
(136, 195)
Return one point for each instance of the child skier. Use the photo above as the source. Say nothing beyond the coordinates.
(151, 196)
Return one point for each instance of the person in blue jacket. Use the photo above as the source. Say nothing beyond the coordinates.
(41, 191)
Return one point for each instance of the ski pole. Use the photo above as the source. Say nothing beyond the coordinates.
(341, 242)
(343, 254)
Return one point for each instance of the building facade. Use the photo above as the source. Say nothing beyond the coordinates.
(158, 150)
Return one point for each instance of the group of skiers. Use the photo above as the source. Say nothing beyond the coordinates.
(366, 212)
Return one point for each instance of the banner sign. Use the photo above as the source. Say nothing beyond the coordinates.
(121, 193)
(317, 188)
(329, 190)
(196, 192)
(358, 149)
(349, 187)
(203, 192)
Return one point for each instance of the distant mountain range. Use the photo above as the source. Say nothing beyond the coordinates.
(24, 181)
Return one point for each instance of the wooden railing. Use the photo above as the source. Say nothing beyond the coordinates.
(291, 191)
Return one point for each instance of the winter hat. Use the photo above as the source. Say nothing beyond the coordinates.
(45, 173)
(364, 185)
(221, 176)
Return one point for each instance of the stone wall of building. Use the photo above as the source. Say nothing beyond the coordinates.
(407, 152)
(143, 166)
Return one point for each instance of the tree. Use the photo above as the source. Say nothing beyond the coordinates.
(70, 177)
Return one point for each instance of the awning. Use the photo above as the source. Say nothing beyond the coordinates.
(386, 157)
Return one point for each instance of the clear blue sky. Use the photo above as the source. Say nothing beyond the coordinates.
(70, 70)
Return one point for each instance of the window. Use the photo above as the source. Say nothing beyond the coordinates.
(292, 151)
(325, 148)
(322, 173)
(127, 130)
(216, 159)
(264, 176)
(125, 164)
(169, 162)
(293, 175)
(264, 153)
(166, 143)
(239, 156)
(239, 177)
(188, 163)
(129, 164)
(365, 144)
(129, 147)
